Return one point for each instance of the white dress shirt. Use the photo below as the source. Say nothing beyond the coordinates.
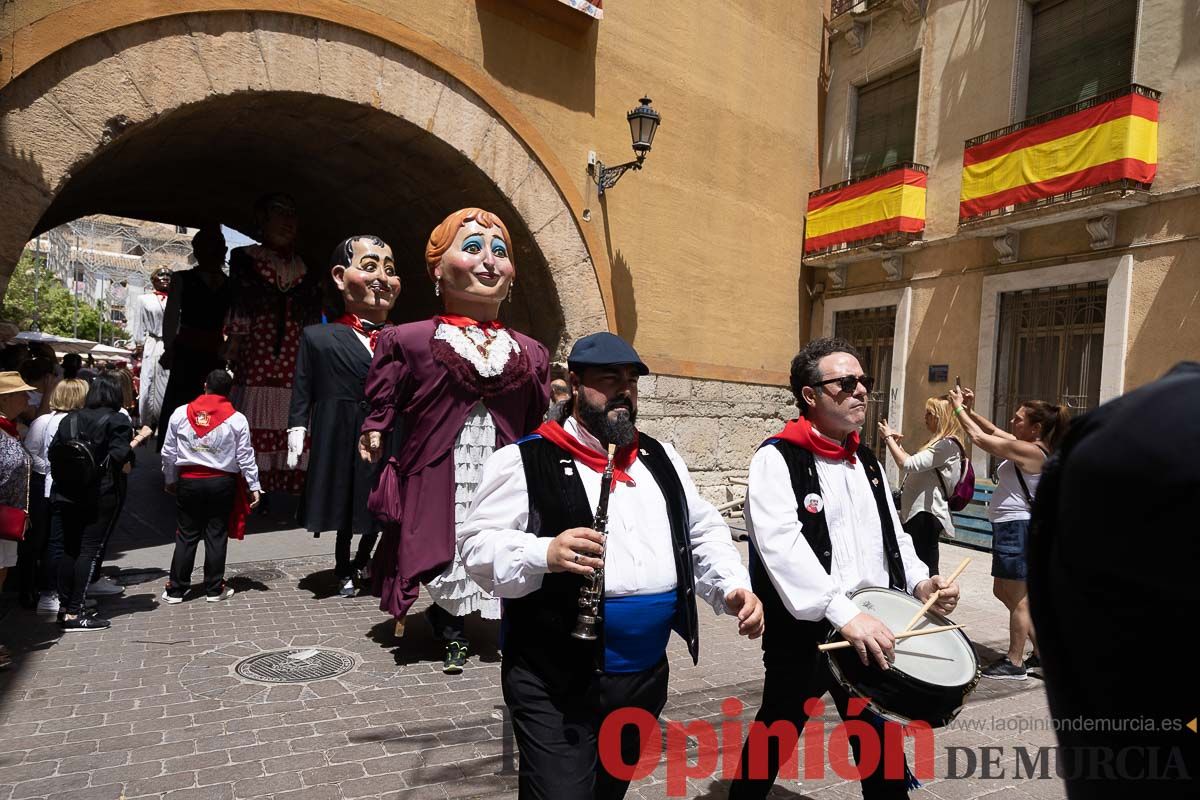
(507, 561)
(226, 448)
(855, 536)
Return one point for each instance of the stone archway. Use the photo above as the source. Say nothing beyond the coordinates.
(187, 118)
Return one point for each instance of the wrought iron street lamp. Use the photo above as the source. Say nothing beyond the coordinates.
(643, 123)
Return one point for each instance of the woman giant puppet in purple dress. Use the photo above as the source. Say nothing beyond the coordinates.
(455, 387)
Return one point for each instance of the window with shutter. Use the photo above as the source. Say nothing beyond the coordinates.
(885, 122)
(1079, 49)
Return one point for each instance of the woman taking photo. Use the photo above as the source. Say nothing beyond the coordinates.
(1037, 429)
(927, 478)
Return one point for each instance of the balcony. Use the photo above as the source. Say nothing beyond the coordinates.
(865, 9)
(1083, 160)
(855, 219)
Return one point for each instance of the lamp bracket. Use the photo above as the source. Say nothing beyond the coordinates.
(606, 177)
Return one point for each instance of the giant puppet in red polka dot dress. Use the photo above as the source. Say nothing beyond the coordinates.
(274, 297)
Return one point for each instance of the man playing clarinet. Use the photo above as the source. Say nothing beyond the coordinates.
(822, 525)
(529, 538)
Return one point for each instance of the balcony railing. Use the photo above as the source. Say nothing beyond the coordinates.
(1103, 144)
(842, 6)
(886, 207)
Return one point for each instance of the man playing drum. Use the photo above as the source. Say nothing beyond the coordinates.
(822, 525)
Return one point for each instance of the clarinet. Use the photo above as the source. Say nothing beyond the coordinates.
(592, 592)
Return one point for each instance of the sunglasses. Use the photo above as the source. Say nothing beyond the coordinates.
(848, 383)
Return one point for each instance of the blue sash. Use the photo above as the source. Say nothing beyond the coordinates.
(636, 630)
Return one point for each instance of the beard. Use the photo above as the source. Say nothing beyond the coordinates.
(612, 423)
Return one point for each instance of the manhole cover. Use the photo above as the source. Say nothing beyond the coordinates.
(260, 575)
(295, 666)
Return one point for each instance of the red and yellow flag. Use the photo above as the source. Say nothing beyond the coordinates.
(893, 202)
(1108, 142)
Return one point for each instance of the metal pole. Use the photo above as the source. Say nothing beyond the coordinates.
(71, 266)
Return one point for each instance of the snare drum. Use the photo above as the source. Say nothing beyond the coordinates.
(931, 676)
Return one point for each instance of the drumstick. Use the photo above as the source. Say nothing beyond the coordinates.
(933, 597)
(905, 635)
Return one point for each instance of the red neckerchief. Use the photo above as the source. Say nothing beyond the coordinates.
(368, 329)
(163, 295)
(9, 427)
(554, 433)
(800, 433)
(459, 321)
(208, 411)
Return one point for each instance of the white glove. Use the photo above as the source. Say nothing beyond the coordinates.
(295, 446)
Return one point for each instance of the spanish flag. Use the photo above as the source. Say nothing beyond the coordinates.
(1111, 141)
(893, 202)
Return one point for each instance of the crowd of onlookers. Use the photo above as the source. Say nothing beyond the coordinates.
(54, 564)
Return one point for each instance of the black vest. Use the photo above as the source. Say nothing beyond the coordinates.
(543, 620)
(784, 630)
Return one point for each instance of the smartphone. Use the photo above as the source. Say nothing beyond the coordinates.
(957, 383)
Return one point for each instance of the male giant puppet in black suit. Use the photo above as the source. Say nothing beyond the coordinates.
(328, 402)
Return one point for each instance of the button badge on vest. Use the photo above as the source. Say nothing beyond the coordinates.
(813, 503)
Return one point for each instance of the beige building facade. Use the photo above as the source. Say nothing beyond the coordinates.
(1073, 299)
(385, 116)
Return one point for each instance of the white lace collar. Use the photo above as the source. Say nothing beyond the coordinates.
(466, 342)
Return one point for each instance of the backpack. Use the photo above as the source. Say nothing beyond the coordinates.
(964, 490)
(73, 466)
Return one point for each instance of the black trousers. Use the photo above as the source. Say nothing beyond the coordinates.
(31, 552)
(204, 505)
(925, 530)
(83, 529)
(446, 627)
(557, 710)
(343, 566)
(792, 677)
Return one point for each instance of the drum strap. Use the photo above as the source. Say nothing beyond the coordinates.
(802, 468)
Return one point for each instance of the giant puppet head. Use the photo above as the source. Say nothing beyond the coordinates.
(469, 259)
(364, 272)
(161, 279)
(275, 216)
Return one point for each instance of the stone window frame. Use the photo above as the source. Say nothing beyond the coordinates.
(902, 299)
(865, 77)
(1116, 271)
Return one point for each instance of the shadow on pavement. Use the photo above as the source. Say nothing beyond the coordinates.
(323, 584)
(418, 643)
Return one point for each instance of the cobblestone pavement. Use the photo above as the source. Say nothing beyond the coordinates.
(153, 707)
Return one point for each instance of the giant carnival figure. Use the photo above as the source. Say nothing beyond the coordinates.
(274, 298)
(192, 326)
(453, 388)
(328, 402)
(148, 332)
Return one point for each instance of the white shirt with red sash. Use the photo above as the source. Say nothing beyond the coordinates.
(209, 435)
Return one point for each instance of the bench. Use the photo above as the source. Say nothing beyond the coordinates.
(971, 525)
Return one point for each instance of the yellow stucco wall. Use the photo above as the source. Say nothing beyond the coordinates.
(704, 243)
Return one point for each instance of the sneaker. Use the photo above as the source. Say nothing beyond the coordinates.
(1005, 670)
(170, 599)
(225, 594)
(1033, 666)
(85, 623)
(48, 603)
(105, 587)
(348, 588)
(456, 658)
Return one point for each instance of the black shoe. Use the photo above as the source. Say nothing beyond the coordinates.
(456, 658)
(85, 623)
(1033, 666)
(1005, 670)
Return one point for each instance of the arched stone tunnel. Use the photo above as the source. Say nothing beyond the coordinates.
(187, 119)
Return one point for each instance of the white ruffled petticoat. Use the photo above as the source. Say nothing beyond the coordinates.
(454, 590)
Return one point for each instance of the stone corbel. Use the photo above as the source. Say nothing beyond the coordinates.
(1103, 231)
(856, 35)
(1007, 245)
(913, 10)
(837, 276)
(893, 265)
